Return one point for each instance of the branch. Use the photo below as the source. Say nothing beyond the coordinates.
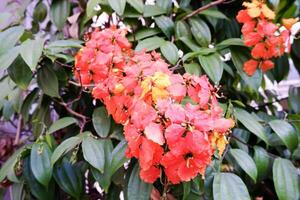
(207, 6)
(19, 128)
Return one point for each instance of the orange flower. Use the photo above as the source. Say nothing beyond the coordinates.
(250, 67)
(289, 22)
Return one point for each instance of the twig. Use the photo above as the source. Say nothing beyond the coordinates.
(195, 12)
(63, 64)
(19, 128)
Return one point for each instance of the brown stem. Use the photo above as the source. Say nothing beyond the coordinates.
(207, 6)
(19, 128)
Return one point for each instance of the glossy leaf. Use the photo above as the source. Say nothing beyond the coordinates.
(213, 66)
(251, 124)
(118, 157)
(10, 37)
(38, 190)
(104, 178)
(192, 68)
(40, 163)
(143, 33)
(32, 56)
(59, 12)
(262, 161)
(230, 42)
(213, 13)
(149, 44)
(27, 103)
(165, 4)
(40, 12)
(7, 58)
(20, 73)
(101, 121)
(200, 31)
(61, 123)
(153, 10)
(69, 178)
(9, 166)
(137, 4)
(65, 44)
(48, 81)
(294, 98)
(182, 29)
(93, 152)
(66, 146)
(170, 52)
(285, 179)
(228, 186)
(286, 132)
(118, 5)
(165, 24)
(245, 162)
(137, 189)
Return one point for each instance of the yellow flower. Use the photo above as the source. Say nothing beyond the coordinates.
(289, 22)
(219, 142)
(157, 85)
(256, 8)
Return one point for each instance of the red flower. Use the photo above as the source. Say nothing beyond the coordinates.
(250, 67)
(243, 16)
(266, 65)
(252, 39)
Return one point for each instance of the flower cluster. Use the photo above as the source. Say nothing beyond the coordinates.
(264, 36)
(140, 92)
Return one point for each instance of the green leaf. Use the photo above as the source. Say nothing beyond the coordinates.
(71, 43)
(250, 122)
(32, 56)
(286, 180)
(245, 162)
(118, 157)
(118, 5)
(9, 166)
(228, 186)
(90, 12)
(137, 189)
(294, 98)
(165, 24)
(59, 12)
(93, 152)
(69, 178)
(182, 29)
(137, 4)
(66, 146)
(186, 190)
(10, 37)
(230, 42)
(150, 44)
(200, 31)
(40, 12)
(38, 190)
(189, 42)
(212, 65)
(61, 123)
(20, 73)
(286, 132)
(48, 81)
(262, 161)
(101, 121)
(152, 10)
(213, 13)
(192, 68)
(165, 4)
(27, 103)
(8, 57)
(170, 52)
(40, 163)
(104, 178)
(143, 33)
